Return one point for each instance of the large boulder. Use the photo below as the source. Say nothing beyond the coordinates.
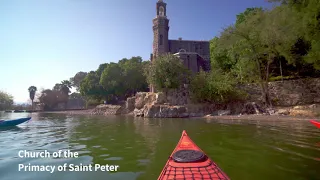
(143, 98)
(138, 112)
(160, 98)
(283, 112)
(130, 104)
(106, 109)
(139, 100)
(164, 111)
(252, 108)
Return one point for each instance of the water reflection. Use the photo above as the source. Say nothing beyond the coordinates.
(245, 149)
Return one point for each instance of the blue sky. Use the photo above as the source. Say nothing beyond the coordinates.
(43, 42)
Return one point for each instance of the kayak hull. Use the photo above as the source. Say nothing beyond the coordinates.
(204, 168)
(13, 122)
(317, 124)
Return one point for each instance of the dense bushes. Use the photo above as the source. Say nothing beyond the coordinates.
(167, 72)
(215, 86)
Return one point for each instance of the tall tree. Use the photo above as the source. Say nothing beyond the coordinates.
(64, 89)
(32, 92)
(133, 78)
(6, 100)
(167, 72)
(90, 86)
(51, 98)
(76, 80)
(112, 81)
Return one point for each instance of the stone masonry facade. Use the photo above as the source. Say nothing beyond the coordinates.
(194, 54)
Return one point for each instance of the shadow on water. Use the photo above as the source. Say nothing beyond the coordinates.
(11, 128)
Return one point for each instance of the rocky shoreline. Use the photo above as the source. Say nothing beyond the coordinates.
(209, 116)
(297, 98)
(305, 112)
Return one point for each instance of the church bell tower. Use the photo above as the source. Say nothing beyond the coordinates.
(160, 30)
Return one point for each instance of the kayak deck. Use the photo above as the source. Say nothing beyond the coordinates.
(188, 161)
(211, 171)
(317, 124)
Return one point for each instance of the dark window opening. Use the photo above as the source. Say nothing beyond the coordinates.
(188, 61)
(161, 39)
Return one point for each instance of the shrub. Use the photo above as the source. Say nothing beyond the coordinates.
(215, 86)
(167, 72)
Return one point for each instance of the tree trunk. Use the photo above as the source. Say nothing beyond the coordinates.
(266, 86)
(281, 70)
(32, 104)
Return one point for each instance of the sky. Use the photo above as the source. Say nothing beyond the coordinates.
(43, 42)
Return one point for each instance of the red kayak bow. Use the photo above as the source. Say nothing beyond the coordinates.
(317, 124)
(188, 161)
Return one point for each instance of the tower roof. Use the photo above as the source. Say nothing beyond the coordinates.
(161, 2)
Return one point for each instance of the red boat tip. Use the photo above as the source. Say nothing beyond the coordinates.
(184, 133)
(316, 123)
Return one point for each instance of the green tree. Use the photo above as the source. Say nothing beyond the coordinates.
(167, 72)
(242, 17)
(6, 100)
(90, 86)
(51, 98)
(258, 41)
(216, 87)
(112, 81)
(133, 77)
(101, 69)
(32, 92)
(76, 80)
(64, 89)
(307, 12)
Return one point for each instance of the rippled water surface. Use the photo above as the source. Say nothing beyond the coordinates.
(246, 150)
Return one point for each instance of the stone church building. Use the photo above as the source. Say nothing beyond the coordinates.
(194, 54)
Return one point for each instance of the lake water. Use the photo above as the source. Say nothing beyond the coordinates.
(245, 150)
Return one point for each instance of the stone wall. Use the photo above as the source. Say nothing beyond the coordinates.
(173, 104)
(288, 93)
(178, 97)
(176, 103)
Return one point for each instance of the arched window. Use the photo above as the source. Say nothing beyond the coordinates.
(182, 50)
(161, 39)
(161, 11)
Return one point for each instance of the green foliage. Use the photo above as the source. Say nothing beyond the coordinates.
(101, 69)
(92, 102)
(51, 98)
(63, 87)
(90, 86)
(216, 86)
(114, 81)
(76, 80)
(167, 72)
(6, 100)
(75, 95)
(264, 45)
(242, 17)
(133, 74)
(307, 15)
(280, 78)
(32, 91)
